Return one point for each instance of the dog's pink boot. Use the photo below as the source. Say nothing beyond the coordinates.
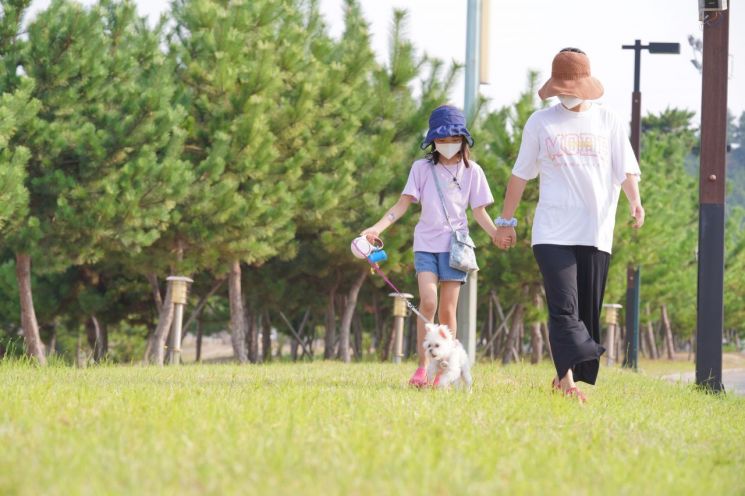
(419, 379)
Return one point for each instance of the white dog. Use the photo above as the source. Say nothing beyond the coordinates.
(448, 359)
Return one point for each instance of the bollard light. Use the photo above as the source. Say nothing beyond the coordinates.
(611, 313)
(399, 312)
(179, 288)
(179, 291)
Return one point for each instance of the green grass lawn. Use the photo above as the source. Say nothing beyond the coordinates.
(327, 428)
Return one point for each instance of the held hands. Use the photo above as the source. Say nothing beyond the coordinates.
(504, 237)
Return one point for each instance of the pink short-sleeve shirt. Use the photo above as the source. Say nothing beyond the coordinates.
(470, 188)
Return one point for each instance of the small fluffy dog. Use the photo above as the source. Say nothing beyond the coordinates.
(448, 359)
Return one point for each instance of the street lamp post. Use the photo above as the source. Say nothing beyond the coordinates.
(712, 173)
(633, 272)
(476, 73)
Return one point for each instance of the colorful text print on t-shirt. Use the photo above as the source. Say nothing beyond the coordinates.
(575, 145)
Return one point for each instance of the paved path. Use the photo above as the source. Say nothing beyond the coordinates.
(734, 379)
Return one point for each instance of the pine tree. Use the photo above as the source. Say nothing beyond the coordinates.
(252, 86)
(103, 173)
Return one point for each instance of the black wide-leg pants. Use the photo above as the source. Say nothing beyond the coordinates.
(574, 278)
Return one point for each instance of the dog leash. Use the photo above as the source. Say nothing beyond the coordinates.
(376, 268)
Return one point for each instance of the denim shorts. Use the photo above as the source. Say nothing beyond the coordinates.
(439, 264)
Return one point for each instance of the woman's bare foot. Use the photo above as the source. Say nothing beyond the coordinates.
(570, 389)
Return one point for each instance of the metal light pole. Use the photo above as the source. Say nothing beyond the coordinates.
(476, 41)
(633, 273)
(710, 300)
(399, 313)
(179, 290)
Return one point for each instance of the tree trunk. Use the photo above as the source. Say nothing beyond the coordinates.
(280, 344)
(651, 339)
(378, 329)
(157, 349)
(79, 355)
(52, 348)
(536, 336)
(668, 333)
(510, 350)
(536, 343)
(544, 331)
(34, 346)
(653, 353)
(200, 306)
(330, 337)
(643, 342)
(390, 343)
(199, 338)
(346, 321)
(153, 280)
(357, 344)
(96, 338)
(490, 327)
(266, 339)
(149, 343)
(411, 335)
(237, 313)
(294, 345)
(252, 337)
(497, 338)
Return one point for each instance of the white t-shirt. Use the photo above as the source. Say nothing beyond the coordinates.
(582, 159)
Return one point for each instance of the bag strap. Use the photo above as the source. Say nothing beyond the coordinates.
(442, 198)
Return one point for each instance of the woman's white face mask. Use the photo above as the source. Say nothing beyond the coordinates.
(447, 150)
(570, 101)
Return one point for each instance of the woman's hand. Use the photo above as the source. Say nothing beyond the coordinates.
(505, 237)
(631, 189)
(637, 212)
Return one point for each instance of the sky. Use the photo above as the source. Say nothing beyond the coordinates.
(525, 35)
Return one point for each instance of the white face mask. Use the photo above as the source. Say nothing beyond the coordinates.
(447, 150)
(570, 101)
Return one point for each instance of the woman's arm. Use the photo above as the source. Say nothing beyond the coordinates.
(515, 189)
(631, 189)
(506, 236)
(393, 214)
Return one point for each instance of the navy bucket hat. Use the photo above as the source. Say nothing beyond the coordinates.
(446, 121)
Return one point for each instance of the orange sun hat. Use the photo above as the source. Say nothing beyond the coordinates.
(570, 75)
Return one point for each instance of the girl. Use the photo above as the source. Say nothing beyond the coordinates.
(463, 183)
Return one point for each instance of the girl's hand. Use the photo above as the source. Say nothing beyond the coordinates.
(370, 235)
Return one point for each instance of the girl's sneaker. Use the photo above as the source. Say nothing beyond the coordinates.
(419, 379)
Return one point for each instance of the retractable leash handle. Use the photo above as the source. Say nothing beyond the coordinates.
(360, 248)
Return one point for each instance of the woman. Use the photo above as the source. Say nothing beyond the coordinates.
(463, 184)
(583, 156)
